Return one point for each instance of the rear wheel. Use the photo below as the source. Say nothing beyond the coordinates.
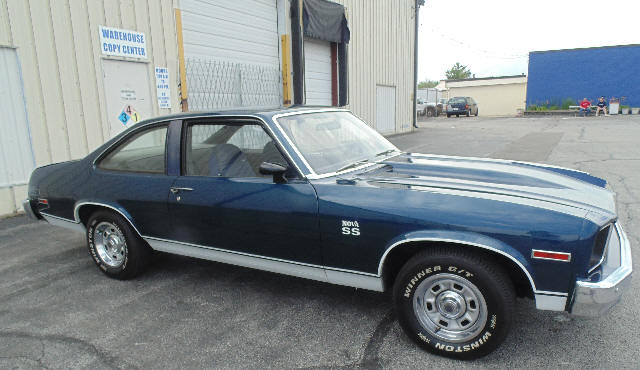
(454, 303)
(115, 247)
(429, 112)
(448, 115)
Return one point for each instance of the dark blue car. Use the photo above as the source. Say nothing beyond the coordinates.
(318, 194)
(462, 105)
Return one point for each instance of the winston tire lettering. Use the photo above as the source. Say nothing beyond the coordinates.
(467, 347)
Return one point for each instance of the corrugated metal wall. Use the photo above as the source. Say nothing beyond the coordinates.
(58, 48)
(381, 53)
(610, 71)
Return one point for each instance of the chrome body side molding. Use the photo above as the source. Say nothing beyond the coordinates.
(63, 222)
(303, 270)
(550, 302)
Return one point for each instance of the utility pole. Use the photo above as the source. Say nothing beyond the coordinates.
(418, 4)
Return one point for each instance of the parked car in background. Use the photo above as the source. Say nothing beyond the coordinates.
(462, 105)
(319, 194)
(424, 108)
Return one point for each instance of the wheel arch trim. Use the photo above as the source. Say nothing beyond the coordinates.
(120, 210)
(463, 239)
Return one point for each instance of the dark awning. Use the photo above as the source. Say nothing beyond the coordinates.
(325, 20)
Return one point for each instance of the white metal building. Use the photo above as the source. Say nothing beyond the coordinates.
(65, 93)
(77, 73)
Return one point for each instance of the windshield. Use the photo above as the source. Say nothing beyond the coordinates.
(331, 141)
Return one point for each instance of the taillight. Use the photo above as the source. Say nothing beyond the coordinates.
(466, 106)
(43, 201)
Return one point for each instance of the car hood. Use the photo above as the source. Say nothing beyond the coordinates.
(522, 180)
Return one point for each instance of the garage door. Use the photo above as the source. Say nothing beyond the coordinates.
(385, 109)
(16, 157)
(231, 51)
(317, 72)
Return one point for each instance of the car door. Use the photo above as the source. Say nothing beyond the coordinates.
(134, 176)
(222, 201)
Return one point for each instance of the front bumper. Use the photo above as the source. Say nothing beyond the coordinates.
(596, 298)
(28, 209)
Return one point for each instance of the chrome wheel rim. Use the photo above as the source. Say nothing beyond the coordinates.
(110, 244)
(450, 308)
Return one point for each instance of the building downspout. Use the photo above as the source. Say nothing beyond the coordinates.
(418, 4)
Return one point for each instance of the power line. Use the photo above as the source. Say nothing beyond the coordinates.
(483, 51)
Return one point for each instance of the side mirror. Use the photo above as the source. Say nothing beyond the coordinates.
(277, 170)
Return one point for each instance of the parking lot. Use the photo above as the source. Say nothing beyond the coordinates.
(57, 310)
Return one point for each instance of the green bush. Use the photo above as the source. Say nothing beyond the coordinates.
(554, 107)
(566, 103)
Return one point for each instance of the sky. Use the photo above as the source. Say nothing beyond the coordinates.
(494, 37)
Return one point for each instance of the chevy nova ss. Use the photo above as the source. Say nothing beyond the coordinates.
(318, 194)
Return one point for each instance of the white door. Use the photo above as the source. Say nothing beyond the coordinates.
(127, 92)
(317, 72)
(231, 51)
(16, 155)
(385, 109)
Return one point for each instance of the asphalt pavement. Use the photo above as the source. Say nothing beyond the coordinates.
(57, 310)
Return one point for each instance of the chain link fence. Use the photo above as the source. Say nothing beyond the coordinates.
(215, 84)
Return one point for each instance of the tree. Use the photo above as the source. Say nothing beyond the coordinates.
(427, 84)
(458, 72)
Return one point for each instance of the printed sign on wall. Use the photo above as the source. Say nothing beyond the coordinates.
(123, 43)
(129, 115)
(162, 84)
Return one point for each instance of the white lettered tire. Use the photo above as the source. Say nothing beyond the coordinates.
(454, 303)
(115, 247)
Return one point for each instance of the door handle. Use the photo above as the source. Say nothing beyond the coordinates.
(176, 190)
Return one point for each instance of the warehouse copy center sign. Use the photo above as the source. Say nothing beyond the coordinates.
(123, 43)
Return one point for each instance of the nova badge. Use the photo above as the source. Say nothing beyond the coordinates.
(350, 228)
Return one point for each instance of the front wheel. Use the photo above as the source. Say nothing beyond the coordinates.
(454, 303)
(429, 113)
(115, 247)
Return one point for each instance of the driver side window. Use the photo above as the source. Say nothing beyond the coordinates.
(228, 150)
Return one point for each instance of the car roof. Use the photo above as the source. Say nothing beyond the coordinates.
(238, 112)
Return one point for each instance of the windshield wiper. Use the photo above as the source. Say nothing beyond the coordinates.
(387, 152)
(352, 165)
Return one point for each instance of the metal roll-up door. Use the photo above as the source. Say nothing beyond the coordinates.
(231, 51)
(317, 72)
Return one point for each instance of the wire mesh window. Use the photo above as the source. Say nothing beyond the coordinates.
(215, 84)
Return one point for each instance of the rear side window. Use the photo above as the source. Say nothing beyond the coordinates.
(143, 152)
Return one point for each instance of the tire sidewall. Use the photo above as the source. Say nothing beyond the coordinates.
(95, 221)
(498, 314)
